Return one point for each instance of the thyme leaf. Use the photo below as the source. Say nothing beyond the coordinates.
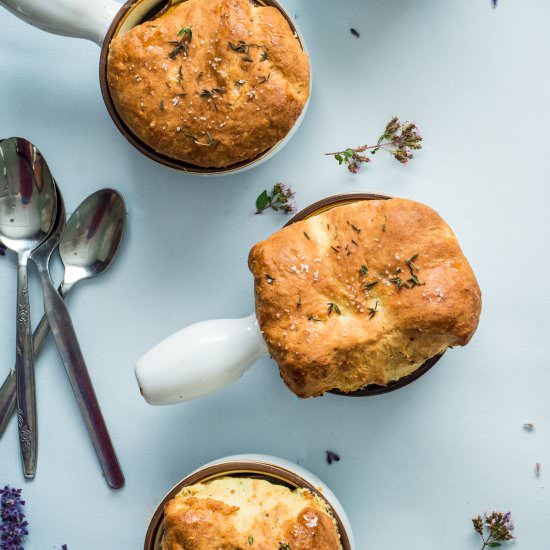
(368, 286)
(181, 45)
(373, 310)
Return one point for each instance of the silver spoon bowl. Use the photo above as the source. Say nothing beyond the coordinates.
(81, 261)
(27, 214)
(92, 237)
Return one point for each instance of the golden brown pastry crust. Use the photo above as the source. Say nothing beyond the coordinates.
(253, 514)
(215, 106)
(370, 334)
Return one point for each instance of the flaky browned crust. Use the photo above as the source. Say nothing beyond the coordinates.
(253, 96)
(326, 324)
(271, 516)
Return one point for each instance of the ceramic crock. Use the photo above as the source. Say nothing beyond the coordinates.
(273, 469)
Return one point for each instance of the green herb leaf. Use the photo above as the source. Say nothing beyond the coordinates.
(211, 141)
(180, 46)
(250, 541)
(373, 310)
(241, 47)
(354, 227)
(262, 202)
(397, 281)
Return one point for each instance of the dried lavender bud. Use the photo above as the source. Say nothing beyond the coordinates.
(538, 466)
(280, 198)
(494, 3)
(528, 426)
(2, 250)
(332, 457)
(14, 527)
(498, 526)
(399, 140)
(355, 32)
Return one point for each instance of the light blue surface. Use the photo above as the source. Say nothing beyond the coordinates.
(417, 464)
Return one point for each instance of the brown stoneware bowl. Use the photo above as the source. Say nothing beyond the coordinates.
(272, 469)
(103, 20)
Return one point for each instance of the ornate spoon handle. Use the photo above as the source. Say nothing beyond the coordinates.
(8, 391)
(24, 374)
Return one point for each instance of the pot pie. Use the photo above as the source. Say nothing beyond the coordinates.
(362, 294)
(210, 82)
(237, 513)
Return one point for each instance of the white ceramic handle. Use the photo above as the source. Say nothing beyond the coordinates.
(199, 359)
(79, 18)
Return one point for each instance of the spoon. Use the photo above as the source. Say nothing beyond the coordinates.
(27, 214)
(67, 344)
(80, 263)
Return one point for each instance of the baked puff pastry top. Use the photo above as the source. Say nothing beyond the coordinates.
(242, 513)
(362, 294)
(210, 82)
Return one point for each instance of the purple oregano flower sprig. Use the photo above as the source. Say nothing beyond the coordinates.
(399, 140)
(494, 529)
(14, 527)
(281, 198)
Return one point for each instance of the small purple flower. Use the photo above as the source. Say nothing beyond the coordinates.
(14, 527)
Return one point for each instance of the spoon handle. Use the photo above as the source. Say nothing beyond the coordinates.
(75, 366)
(8, 390)
(24, 374)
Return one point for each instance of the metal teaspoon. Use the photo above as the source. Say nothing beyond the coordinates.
(67, 344)
(80, 263)
(27, 214)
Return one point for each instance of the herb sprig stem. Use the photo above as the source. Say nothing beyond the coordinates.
(399, 140)
(361, 149)
(280, 198)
